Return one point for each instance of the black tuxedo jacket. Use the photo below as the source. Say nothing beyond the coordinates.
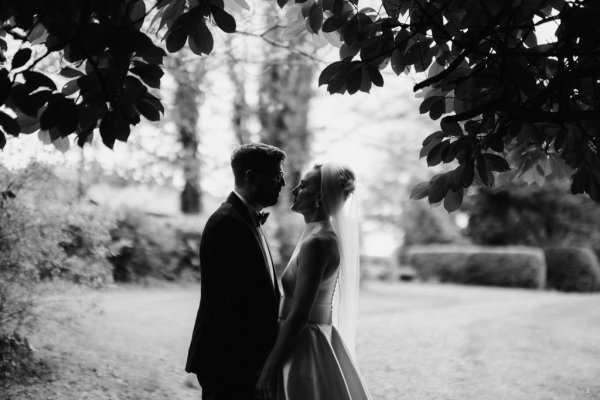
(236, 324)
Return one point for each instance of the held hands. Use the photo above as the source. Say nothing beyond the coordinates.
(265, 387)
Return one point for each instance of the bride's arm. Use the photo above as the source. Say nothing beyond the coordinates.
(314, 257)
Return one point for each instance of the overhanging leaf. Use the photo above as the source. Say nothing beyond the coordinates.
(353, 82)
(398, 63)
(148, 110)
(439, 188)
(315, 17)
(434, 157)
(67, 117)
(27, 123)
(149, 73)
(420, 191)
(201, 40)
(70, 88)
(453, 200)
(329, 72)
(5, 85)
(44, 137)
(365, 81)
(224, 21)
(482, 171)
(467, 174)
(36, 80)
(21, 58)
(437, 108)
(62, 144)
(333, 23)
(495, 163)
(451, 128)
(375, 75)
(427, 103)
(347, 51)
(9, 124)
(137, 14)
(176, 37)
(69, 72)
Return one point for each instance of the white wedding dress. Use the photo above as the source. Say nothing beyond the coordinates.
(320, 366)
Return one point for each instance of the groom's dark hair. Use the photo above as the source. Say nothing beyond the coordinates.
(255, 156)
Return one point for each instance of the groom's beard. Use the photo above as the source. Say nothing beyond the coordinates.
(269, 199)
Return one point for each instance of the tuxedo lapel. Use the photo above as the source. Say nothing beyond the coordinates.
(244, 215)
(276, 284)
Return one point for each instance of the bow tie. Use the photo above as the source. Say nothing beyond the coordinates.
(261, 218)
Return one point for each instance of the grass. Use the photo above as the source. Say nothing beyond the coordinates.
(417, 342)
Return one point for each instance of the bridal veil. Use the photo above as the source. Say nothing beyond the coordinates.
(337, 195)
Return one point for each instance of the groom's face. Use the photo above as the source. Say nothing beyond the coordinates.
(269, 182)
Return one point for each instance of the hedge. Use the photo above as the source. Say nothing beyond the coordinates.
(154, 247)
(511, 266)
(574, 269)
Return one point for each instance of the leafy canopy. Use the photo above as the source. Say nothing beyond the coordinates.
(509, 105)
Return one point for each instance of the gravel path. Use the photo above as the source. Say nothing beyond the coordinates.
(452, 342)
(417, 342)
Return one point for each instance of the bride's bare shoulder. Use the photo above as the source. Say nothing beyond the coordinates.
(322, 243)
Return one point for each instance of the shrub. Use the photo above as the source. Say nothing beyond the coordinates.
(573, 269)
(424, 224)
(58, 234)
(531, 215)
(87, 228)
(17, 361)
(28, 244)
(493, 266)
(145, 246)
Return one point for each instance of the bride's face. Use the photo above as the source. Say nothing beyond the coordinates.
(305, 195)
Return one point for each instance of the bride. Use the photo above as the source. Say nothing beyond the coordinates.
(310, 360)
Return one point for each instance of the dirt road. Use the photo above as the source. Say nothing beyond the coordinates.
(417, 342)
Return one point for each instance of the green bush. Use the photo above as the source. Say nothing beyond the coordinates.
(424, 224)
(45, 233)
(145, 246)
(87, 228)
(573, 269)
(492, 266)
(18, 362)
(28, 245)
(531, 215)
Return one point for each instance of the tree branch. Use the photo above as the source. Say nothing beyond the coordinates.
(280, 45)
(462, 56)
(490, 106)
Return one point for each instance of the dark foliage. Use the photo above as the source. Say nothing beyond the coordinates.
(507, 102)
(534, 216)
(573, 269)
(17, 361)
(509, 99)
(145, 247)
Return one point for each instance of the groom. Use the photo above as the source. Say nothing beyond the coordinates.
(236, 324)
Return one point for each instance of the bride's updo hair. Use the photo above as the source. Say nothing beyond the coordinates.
(337, 184)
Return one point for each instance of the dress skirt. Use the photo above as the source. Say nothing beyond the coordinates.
(320, 368)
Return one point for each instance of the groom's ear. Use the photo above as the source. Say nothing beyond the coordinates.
(249, 176)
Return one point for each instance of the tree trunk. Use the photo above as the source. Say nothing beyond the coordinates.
(285, 92)
(188, 99)
(241, 111)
